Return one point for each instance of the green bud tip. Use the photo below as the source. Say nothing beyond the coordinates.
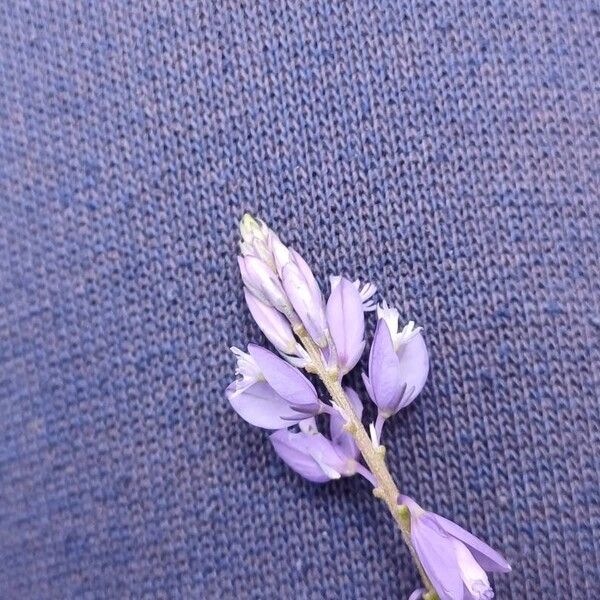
(249, 227)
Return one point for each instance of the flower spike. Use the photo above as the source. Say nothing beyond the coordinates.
(327, 340)
(279, 277)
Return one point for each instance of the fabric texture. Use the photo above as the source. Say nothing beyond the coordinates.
(446, 151)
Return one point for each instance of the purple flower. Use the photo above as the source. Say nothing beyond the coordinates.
(302, 290)
(398, 363)
(317, 457)
(312, 455)
(270, 392)
(273, 324)
(263, 283)
(346, 320)
(454, 559)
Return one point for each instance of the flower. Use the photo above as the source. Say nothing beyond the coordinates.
(454, 559)
(302, 290)
(270, 393)
(312, 455)
(346, 321)
(319, 458)
(264, 283)
(398, 363)
(273, 324)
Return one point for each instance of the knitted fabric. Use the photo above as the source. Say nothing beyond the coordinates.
(446, 151)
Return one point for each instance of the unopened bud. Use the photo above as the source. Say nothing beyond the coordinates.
(272, 323)
(252, 229)
(263, 283)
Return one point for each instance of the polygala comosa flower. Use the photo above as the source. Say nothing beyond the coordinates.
(326, 338)
(454, 559)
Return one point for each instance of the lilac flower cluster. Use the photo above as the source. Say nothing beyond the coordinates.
(327, 338)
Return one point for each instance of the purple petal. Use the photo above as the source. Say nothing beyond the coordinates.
(414, 367)
(272, 323)
(287, 446)
(355, 401)
(346, 320)
(384, 370)
(261, 406)
(436, 553)
(417, 594)
(339, 436)
(354, 358)
(487, 557)
(286, 380)
(248, 282)
(311, 455)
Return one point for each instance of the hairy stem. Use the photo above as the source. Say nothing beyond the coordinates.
(385, 487)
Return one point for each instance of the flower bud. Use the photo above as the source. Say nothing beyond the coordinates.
(263, 283)
(279, 277)
(308, 305)
(346, 320)
(251, 229)
(255, 240)
(272, 323)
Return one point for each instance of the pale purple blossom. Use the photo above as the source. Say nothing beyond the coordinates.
(346, 321)
(302, 290)
(263, 283)
(455, 560)
(398, 364)
(273, 324)
(269, 392)
(312, 455)
(319, 458)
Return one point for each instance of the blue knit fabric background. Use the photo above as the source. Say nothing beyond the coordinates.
(447, 151)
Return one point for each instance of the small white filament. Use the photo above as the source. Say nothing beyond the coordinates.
(373, 433)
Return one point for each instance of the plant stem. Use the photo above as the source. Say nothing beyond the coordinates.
(386, 488)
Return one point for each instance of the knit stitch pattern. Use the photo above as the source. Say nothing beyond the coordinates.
(447, 151)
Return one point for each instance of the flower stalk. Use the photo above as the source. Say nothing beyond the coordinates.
(386, 488)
